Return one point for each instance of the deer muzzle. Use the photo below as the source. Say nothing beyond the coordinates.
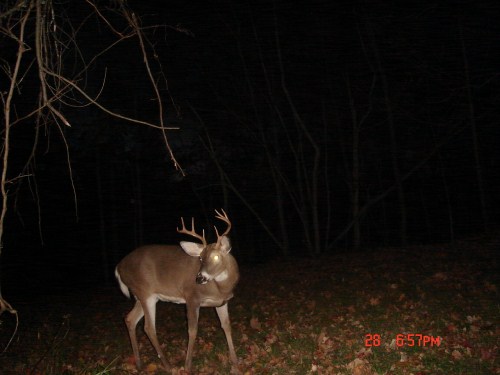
(200, 279)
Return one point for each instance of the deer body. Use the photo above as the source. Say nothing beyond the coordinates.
(198, 275)
(156, 265)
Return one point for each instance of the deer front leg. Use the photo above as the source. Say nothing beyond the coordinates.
(223, 313)
(150, 328)
(193, 313)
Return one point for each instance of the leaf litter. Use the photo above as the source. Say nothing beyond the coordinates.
(353, 313)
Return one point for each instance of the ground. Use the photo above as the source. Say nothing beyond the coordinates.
(414, 310)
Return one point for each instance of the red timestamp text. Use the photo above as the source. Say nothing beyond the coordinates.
(406, 339)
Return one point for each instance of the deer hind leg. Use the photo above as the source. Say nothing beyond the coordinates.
(149, 306)
(131, 321)
(223, 313)
(193, 313)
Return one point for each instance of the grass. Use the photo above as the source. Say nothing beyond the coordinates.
(293, 316)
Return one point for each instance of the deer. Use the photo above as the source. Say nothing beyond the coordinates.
(194, 274)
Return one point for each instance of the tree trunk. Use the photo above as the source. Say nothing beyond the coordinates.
(102, 221)
(393, 144)
(474, 136)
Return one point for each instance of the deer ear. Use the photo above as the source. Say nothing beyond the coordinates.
(192, 248)
(225, 244)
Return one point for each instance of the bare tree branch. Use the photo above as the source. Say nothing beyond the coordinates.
(40, 54)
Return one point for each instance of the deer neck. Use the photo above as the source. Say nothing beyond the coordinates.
(227, 280)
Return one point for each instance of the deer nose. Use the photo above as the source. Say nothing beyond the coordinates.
(200, 279)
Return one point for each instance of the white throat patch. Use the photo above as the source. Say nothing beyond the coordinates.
(223, 276)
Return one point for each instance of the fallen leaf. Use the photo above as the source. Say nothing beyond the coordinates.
(456, 354)
(130, 360)
(404, 357)
(487, 354)
(359, 367)
(473, 318)
(255, 324)
(311, 305)
(451, 328)
(490, 287)
(440, 276)
(271, 338)
(152, 367)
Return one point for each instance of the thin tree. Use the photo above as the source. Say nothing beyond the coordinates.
(37, 38)
(483, 204)
(393, 139)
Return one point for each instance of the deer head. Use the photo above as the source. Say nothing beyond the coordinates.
(212, 257)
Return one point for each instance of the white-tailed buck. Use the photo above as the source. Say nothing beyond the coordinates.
(192, 273)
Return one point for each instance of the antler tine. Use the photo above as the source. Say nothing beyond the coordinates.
(225, 219)
(192, 232)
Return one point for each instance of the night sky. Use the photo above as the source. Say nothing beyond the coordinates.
(288, 112)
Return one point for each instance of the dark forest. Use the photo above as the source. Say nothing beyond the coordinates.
(323, 128)
(318, 127)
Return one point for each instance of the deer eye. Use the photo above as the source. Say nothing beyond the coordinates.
(216, 258)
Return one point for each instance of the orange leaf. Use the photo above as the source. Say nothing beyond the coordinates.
(130, 360)
(255, 324)
(152, 367)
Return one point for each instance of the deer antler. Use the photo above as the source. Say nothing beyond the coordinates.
(225, 219)
(192, 232)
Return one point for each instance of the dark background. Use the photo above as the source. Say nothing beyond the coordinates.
(260, 89)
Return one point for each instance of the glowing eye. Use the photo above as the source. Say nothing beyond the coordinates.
(216, 258)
